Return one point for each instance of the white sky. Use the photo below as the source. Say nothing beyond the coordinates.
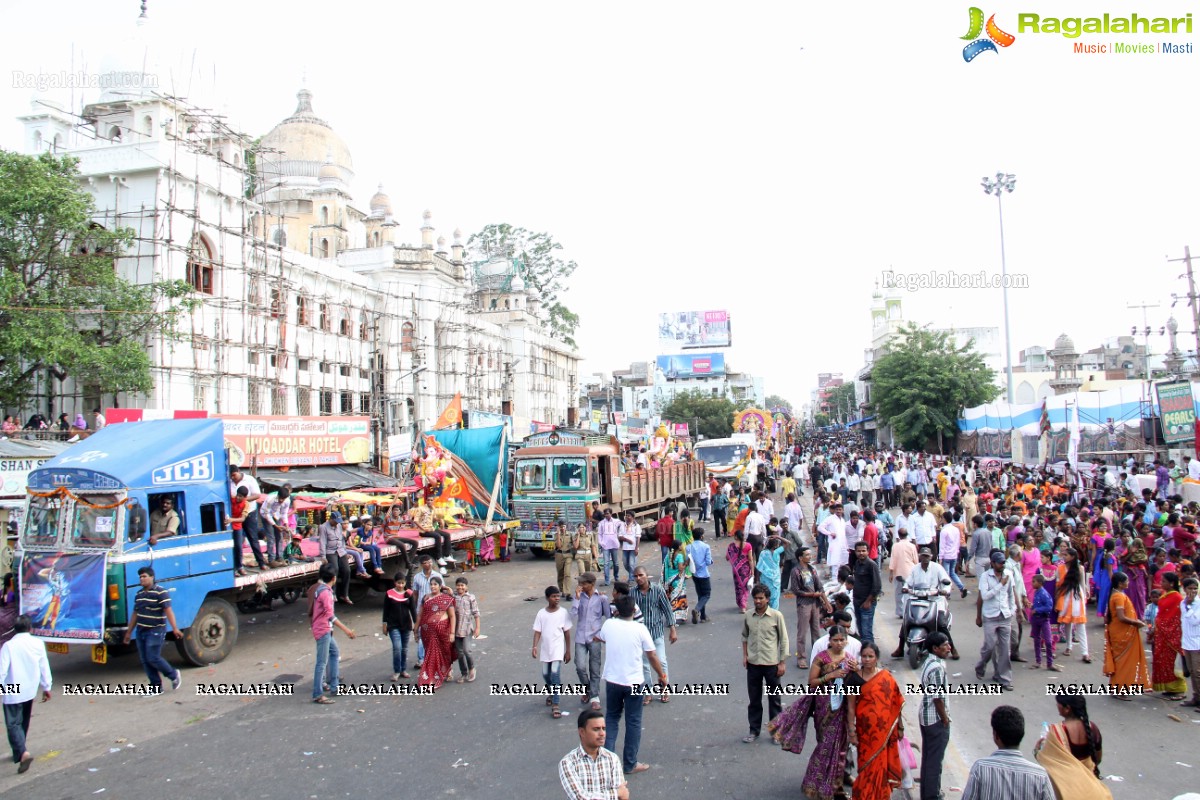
(693, 155)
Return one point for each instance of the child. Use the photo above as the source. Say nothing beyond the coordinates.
(293, 553)
(237, 507)
(365, 541)
(841, 602)
(1151, 612)
(552, 644)
(1043, 608)
(466, 615)
(352, 548)
(399, 619)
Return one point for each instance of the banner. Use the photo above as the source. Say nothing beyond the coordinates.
(693, 330)
(486, 419)
(679, 429)
(540, 427)
(297, 441)
(700, 365)
(1177, 410)
(64, 595)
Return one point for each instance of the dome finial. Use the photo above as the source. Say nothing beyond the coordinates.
(304, 101)
(143, 14)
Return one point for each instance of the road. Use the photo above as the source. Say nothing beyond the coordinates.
(465, 743)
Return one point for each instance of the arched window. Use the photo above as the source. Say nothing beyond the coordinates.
(37, 141)
(376, 235)
(148, 125)
(324, 321)
(200, 266)
(114, 133)
(324, 218)
(344, 326)
(303, 310)
(57, 141)
(363, 330)
(279, 237)
(407, 332)
(323, 252)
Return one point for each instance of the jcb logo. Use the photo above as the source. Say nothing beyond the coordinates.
(192, 470)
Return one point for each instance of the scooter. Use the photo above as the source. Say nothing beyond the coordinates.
(925, 612)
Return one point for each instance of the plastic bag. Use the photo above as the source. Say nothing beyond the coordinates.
(907, 757)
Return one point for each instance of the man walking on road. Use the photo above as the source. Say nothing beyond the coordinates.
(901, 563)
(934, 716)
(657, 616)
(588, 613)
(995, 617)
(625, 644)
(764, 656)
(23, 665)
(151, 613)
(810, 602)
(867, 589)
(322, 619)
(701, 555)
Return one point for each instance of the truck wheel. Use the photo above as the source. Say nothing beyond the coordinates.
(538, 552)
(358, 591)
(290, 594)
(212, 635)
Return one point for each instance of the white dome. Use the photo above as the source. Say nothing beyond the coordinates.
(518, 284)
(495, 267)
(130, 66)
(380, 202)
(304, 142)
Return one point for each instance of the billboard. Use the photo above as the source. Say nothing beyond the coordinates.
(699, 365)
(1178, 413)
(297, 441)
(693, 330)
(270, 441)
(63, 594)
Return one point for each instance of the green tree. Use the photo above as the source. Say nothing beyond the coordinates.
(545, 272)
(821, 419)
(775, 401)
(707, 416)
(63, 308)
(924, 381)
(843, 403)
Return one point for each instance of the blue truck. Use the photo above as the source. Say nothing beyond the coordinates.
(86, 531)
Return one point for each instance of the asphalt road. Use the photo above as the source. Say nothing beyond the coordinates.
(465, 743)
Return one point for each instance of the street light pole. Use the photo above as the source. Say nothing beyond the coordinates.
(1004, 182)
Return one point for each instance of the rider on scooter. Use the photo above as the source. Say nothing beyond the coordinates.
(930, 576)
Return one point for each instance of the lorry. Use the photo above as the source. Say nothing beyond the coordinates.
(559, 474)
(85, 535)
(730, 458)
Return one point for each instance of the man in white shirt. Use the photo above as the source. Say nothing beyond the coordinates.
(843, 620)
(926, 576)
(625, 642)
(834, 530)
(1193, 467)
(765, 506)
(922, 525)
(998, 607)
(630, 538)
(24, 666)
(854, 484)
(755, 530)
(794, 513)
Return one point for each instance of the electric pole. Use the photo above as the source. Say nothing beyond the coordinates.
(1193, 301)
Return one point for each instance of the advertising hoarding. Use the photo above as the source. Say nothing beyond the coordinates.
(1178, 412)
(697, 365)
(693, 330)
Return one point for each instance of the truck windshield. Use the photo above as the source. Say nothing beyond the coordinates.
(41, 525)
(531, 474)
(568, 473)
(96, 526)
(721, 453)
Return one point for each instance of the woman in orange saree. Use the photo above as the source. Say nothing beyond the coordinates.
(876, 726)
(1124, 655)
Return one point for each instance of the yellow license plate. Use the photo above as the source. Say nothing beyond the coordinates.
(57, 647)
(100, 653)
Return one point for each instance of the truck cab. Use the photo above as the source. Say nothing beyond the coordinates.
(730, 458)
(87, 532)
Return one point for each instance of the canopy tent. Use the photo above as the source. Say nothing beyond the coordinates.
(329, 478)
(1125, 406)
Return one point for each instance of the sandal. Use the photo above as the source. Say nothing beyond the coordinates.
(555, 712)
(471, 677)
(646, 701)
(1055, 667)
(549, 702)
(1087, 659)
(405, 675)
(323, 701)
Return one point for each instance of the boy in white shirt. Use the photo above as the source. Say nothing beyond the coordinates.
(552, 644)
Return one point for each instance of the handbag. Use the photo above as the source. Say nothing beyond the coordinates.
(907, 757)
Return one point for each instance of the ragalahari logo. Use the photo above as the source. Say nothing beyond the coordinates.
(995, 36)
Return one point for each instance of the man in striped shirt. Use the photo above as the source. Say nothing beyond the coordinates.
(151, 613)
(1007, 774)
(657, 616)
(589, 772)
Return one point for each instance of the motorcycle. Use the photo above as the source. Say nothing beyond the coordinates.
(926, 611)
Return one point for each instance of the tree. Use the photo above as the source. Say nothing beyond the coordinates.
(545, 273)
(63, 308)
(821, 419)
(924, 381)
(843, 402)
(775, 401)
(708, 416)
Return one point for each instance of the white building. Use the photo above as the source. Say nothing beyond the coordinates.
(309, 305)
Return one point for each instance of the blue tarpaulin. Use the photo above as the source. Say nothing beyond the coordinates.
(480, 449)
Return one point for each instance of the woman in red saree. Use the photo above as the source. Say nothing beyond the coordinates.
(1168, 640)
(437, 634)
(1124, 657)
(876, 726)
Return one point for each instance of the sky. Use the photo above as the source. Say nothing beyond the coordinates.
(770, 159)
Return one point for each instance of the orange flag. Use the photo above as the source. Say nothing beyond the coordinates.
(458, 491)
(452, 416)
